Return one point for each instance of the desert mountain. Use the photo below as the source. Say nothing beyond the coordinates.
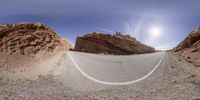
(118, 44)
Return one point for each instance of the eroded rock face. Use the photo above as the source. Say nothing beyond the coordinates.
(29, 38)
(110, 44)
(189, 48)
(192, 42)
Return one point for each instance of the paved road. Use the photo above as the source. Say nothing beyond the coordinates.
(110, 69)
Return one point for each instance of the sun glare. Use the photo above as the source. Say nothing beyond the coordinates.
(155, 31)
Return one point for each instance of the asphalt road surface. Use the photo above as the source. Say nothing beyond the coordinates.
(116, 70)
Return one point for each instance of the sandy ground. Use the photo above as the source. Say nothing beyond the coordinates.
(174, 79)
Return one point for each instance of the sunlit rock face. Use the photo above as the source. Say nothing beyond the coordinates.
(189, 48)
(117, 44)
(30, 38)
(191, 41)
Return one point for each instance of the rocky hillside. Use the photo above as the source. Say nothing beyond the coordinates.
(192, 41)
(30, 38)
(190, 47)
(118, 44)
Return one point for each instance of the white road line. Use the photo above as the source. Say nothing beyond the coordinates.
(114, 83)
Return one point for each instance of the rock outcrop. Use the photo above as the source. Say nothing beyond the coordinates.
(189, 48)
(30, 38)
(192, 41)
(110, 44)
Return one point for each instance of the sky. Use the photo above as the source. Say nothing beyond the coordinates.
(171, 19)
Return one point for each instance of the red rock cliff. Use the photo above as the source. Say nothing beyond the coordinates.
(111, 44)
(189, 48)
(30, 38)
(192, 41)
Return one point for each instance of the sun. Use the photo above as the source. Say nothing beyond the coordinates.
(155, 31)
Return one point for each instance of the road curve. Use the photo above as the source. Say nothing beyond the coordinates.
(116, 70)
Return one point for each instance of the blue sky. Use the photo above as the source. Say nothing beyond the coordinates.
(70, 18)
